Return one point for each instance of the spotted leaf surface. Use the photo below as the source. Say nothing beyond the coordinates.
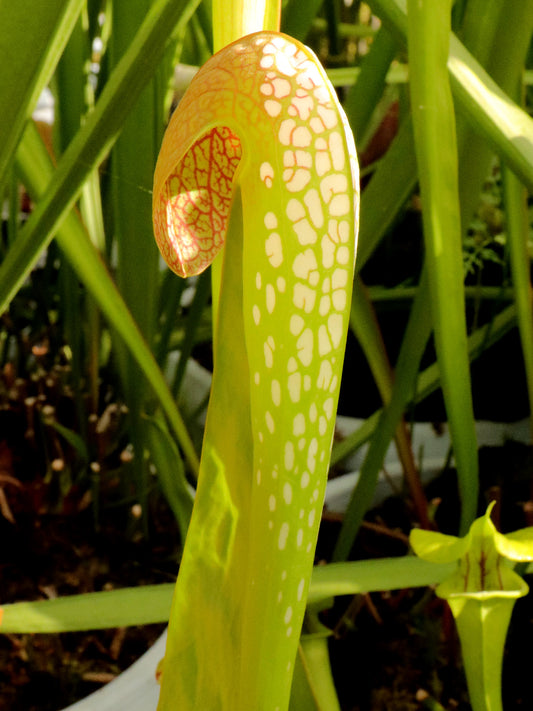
(262, 122)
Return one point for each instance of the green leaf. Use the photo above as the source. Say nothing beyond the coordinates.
(98, 610)
(436, 152)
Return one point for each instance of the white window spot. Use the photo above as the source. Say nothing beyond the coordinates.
(288, 615)
(314, 205)
(322, 425)
(328, 116)
(344, 231)
(298, 425)
(289, 456)
(258, 280)
(304, 263)
(336, 329)
(269, 348)
(304, 481)
(307, 383)
(324, 375)
(301, 444)
(292, 365)
(297, 159)
(258, 477)
(303, 297)
(256, 314)
(343, 255)
(311, 454)
(285, 131)
(266, 62)
(295, 210)
(324, 344)
(289, 631)
(336, 147)
(322, 163)
(313, 412)
(272, 502)
(305, 232)
(339, 299)
(266, 173)
(294, 385)
(328, 252)
(340, 205)
(274, 250)
(333, 386)
(339, 279)
(314, 278)
(269, 422)
(309, 76)
(284, 65)
(299, 537)
(275, 389)
(296, 180)
(281, 284)
(282, 88)
(272, 107)
(283, 535)
(311, 518)
(326, 286)
(296, 324)
(266, 89)
(270, 298)
(328, 407)
(331, 185)
(301, 589)
(271, 221)
(304, 344)
(257, 378)
(317, 125)
(287, 493)
(302, 104)
(325, 306)
(301, 137)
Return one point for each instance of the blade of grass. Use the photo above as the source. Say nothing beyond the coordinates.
(364, 96)
(387, 192)
(436, 150)
(150, 604)
(297, 17)
(366, 576)
(143, 605)
(406, 372)
(365, 327)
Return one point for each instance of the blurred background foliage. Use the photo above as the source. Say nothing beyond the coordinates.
(100, 344)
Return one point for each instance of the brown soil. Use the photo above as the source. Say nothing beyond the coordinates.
(55, 546)
(392, 651)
